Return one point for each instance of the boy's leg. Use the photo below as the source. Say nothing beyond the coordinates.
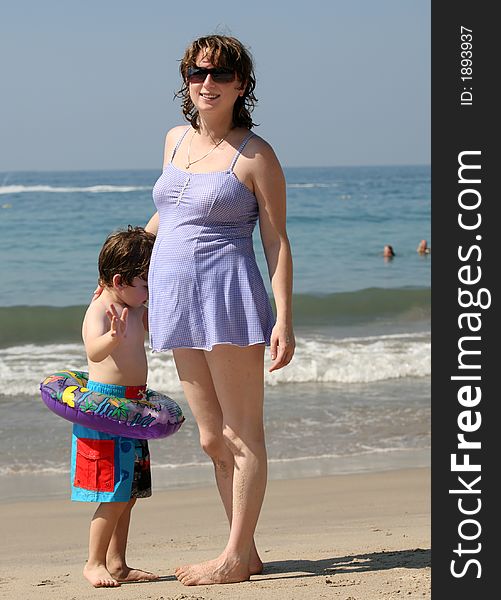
(102, 526)
(116, 562)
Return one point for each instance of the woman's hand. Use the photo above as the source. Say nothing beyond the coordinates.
(283, 345)
(97, 292)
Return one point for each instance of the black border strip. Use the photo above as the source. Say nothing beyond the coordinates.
(465, 231)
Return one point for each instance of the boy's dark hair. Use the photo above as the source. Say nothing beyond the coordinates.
(222, 51)
(126, 253)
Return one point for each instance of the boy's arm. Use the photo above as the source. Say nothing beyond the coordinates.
(99, 340)
(145, 319)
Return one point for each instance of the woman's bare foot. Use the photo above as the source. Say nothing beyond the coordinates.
(129, 574)
(219, 570)
(255, 563)
(99, 576)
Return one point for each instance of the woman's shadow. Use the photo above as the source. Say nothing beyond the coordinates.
(418, 558)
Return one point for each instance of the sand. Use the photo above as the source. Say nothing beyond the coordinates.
(354, 537)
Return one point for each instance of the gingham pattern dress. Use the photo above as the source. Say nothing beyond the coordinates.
(205, 287)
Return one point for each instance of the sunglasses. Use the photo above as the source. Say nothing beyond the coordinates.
(219, 75)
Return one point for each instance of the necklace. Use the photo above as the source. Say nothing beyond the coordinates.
(192, 162)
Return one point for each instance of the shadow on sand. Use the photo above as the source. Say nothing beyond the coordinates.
(159, 580)
(418, 558)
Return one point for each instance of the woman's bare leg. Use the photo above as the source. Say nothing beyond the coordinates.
(237, 379)
(198, 387)
(199, 390)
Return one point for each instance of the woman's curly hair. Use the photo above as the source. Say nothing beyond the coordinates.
(228, 53)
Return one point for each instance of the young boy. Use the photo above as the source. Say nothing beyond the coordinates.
(110, 469)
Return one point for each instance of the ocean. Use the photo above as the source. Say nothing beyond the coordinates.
(356, 396)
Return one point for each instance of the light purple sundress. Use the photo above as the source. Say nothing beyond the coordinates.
(205, 287)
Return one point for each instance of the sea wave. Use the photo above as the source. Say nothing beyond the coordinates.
(317, 360)
(50, 324)
(92, 189)
(367, 305)
(312, 185)
(105, 189)
(30, 467)
(357, 360)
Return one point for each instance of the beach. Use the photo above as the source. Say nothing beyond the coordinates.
(363, 536)
(346, 513)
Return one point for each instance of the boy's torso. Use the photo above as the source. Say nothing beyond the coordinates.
(127, 364)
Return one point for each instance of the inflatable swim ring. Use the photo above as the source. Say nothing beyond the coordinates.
(154, 416)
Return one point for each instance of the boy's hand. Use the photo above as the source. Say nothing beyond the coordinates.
(118, 329)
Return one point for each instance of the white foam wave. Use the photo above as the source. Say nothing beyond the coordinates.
(312, 185)
(186, 465)
(33, 468)
(42, 469)
(322, 360)
(93, 189)
(334, 455)
(22, 368)
(357, 360)
(30, 468)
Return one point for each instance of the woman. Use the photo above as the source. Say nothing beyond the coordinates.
(207, 300)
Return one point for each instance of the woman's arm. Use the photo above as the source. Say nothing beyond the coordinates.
(152, 225)
(269, 188)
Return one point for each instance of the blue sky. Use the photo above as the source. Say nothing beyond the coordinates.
(89, 84)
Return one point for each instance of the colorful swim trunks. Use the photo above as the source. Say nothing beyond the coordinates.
(108, 468)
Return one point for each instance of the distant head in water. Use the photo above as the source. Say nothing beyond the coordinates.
(423, 247)
(388, 251)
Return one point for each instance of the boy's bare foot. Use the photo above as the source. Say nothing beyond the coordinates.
(219, 570)
(99, 576)
(129, 574)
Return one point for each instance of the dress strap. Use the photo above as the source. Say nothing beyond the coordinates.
(179, 143)
(241, 147)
